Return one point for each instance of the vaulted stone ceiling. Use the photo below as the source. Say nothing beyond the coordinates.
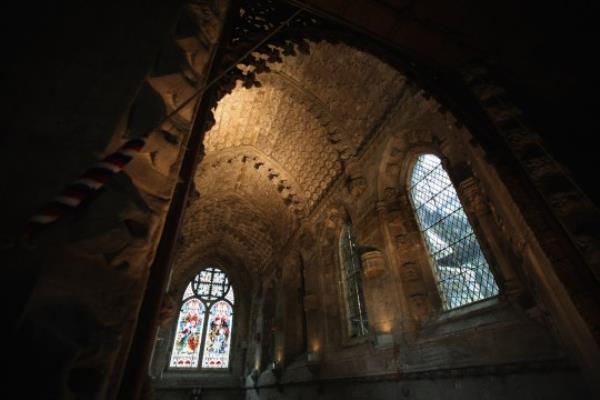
(276, 149)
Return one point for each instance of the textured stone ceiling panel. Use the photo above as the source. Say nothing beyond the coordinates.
(233, 228)
(247, 178)
(274, 150)
(354, 85)
(239, 208)
(269, 119)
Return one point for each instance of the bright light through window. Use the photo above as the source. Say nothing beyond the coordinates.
(463, 275)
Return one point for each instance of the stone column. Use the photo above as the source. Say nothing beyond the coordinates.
(312, 307)
(478, 210)
(407, 323)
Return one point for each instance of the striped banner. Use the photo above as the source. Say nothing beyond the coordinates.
(84, 187)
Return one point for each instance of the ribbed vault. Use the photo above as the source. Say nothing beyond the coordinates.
(274, 150)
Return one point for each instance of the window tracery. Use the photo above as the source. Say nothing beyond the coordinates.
(204, 326)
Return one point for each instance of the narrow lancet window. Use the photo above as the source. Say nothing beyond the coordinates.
(352, 284)
(205, 322)
(462, 273)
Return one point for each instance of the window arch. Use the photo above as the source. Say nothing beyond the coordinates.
(352, 284)
(462, 273)
(204, 326)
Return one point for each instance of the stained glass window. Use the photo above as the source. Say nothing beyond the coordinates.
(218, 336)
(352, 284)
(207, 313)
(462, 273)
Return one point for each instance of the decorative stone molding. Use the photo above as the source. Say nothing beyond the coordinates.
(373, 263)
(411, 272)
(402, 240)
(419, 304)
(356, 182)
(381, 207)
(472, 196)
(357, 186)
(334, 218)
(449, 148)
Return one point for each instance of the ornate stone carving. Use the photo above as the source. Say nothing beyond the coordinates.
(410, 272)
(373, 264)
(419, 304)
(472, 196)
(334, 218)
(356, 183)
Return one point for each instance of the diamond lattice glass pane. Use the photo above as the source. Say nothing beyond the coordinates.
(462, 272)
(218, 336)
(186, 346)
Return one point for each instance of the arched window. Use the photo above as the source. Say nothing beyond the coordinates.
(352, 284)
(462, 273)
(205, 322)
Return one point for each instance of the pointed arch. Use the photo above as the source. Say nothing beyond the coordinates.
(204, 326)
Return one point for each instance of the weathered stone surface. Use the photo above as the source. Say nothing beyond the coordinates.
(326, 138)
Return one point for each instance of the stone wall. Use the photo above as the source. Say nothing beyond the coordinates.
(76, 287)
(108, 72)
(408, 331)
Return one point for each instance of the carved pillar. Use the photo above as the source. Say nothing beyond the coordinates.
(478, 209)
(312, 306)
(313, 331)
(373, 264)
(407, 323)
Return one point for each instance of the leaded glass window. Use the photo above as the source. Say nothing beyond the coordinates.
(207, 313)
(352, 284)
(462, 273)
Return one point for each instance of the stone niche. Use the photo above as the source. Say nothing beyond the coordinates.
(373, 263)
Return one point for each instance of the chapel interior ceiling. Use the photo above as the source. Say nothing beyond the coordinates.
(274, 150)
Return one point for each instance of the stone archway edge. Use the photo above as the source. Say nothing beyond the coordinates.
(100, 173)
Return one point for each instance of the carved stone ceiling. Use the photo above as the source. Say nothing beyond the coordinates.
(276, 149)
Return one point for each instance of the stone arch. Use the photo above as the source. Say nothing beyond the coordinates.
(292, 194)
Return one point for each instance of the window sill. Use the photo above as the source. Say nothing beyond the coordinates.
(355, 341)
(195, 372)
(194, 379)
(472, 315)
(170, 378)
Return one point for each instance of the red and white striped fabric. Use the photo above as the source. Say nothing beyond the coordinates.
(84, 187)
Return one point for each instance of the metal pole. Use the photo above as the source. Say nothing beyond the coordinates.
(147, 323)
